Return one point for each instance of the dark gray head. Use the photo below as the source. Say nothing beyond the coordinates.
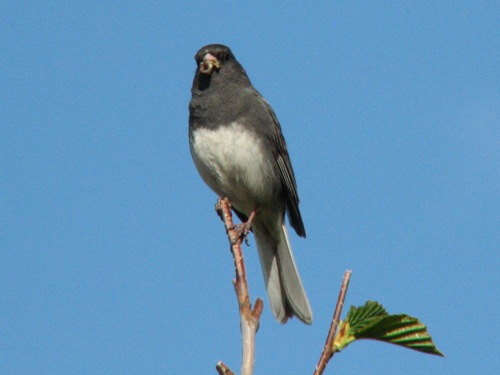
(217, 66)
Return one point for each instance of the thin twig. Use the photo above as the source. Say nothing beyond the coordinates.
(328, 351)
(249, 319)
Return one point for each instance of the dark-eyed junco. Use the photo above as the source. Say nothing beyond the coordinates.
(239, 150)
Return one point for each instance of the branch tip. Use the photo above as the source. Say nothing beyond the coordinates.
(222, 369)
(257, 308)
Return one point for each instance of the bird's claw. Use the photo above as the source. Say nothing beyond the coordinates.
(242, 231)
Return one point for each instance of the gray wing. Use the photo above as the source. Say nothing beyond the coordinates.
(286, 173)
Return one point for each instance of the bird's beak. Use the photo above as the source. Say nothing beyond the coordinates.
(209, 63)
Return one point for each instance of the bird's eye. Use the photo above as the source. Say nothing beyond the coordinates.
(223, 56)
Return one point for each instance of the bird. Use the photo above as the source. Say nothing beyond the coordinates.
(238, 148)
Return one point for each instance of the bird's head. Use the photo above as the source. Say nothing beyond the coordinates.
(216, 65)
(211, 58)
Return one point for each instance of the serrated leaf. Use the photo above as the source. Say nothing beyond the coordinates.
(371, 321)
(364, 316)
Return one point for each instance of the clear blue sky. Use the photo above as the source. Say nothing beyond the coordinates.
(112, 260)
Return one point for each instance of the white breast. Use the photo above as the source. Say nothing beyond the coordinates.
(235, 164)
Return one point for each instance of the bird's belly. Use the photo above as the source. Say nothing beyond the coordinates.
(236, 164)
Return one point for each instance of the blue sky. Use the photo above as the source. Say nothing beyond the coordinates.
(112, 260)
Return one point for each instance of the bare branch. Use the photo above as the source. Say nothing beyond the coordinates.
(328, 348)
(249, 319)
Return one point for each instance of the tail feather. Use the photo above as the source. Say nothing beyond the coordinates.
(287, 296)
(290, 278)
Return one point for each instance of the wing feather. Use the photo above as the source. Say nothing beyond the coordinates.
(286, 173)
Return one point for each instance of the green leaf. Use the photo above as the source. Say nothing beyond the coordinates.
(372, 321)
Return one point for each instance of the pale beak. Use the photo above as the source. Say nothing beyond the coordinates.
(209, 63)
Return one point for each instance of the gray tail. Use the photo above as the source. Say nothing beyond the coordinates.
(287, 296)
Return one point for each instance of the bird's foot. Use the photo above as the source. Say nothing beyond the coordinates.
(243, 229)
(218, 209)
